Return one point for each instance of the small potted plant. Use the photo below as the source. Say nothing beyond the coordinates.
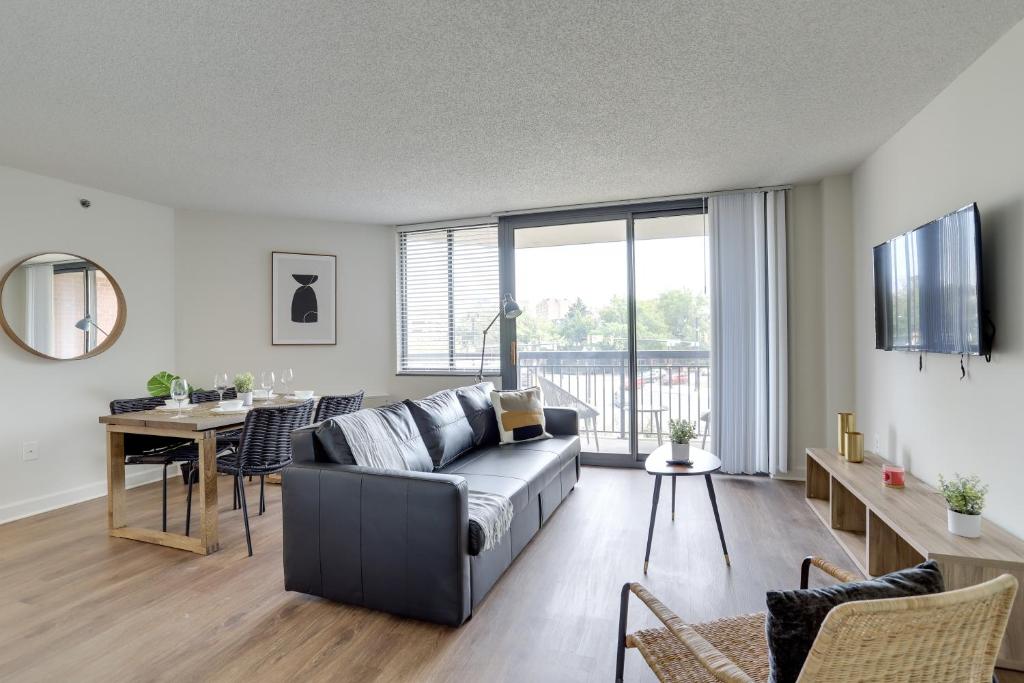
(680, 432)
(965, 497)
(243, 387)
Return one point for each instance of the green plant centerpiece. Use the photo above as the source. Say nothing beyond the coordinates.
(243, 387)
(160, 384)
(679, 433)
(965, 498)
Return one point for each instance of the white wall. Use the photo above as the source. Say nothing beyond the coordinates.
(821, 380)
(223, 300)
(966, 145)
(58, 403)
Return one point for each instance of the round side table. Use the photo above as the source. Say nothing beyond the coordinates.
(703, 464)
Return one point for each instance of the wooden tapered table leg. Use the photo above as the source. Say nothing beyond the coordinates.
(208, 536)
(654, 512)
(718, 520)
(115, 480)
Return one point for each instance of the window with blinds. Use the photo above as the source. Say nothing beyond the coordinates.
(447, 295)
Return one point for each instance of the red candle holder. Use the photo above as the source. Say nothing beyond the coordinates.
(894, 476)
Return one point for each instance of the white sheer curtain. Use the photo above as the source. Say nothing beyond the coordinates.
(749, 392)
(39, 307)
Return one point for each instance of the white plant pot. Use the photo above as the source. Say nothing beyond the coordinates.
(963, 525)
(246, 398)
(680, 451)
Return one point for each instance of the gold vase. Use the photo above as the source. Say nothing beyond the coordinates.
(847, 423)
(854, 447)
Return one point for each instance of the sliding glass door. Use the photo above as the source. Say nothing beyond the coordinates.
(615, 320)
(572, 338)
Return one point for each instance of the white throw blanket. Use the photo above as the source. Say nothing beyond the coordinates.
(374, 444)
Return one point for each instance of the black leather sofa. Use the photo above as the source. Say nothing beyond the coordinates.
(397, 541)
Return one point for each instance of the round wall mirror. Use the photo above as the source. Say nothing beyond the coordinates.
(61, 306)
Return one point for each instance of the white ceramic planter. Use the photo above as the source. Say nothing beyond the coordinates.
(680, 451)
(963, 525)
(246, 398)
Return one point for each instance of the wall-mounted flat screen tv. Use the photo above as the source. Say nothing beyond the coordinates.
(928, 294)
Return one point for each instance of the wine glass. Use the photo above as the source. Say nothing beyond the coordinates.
(267, 381)
(286, 378)
(179, 392)
(220, 383)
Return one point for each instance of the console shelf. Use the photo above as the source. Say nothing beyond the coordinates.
(884, 529)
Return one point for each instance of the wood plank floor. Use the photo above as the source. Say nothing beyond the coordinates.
(77, 605)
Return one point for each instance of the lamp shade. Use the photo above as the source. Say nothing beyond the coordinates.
(509, 308)
(84, 323)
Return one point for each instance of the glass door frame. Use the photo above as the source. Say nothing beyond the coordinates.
(508, 224)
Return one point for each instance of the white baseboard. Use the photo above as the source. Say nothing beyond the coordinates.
(52, 501)
(799, 475)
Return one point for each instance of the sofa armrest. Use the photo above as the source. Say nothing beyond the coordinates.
(562, 421)
(388, 540)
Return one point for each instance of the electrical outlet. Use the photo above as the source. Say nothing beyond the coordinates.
(876, 444)
(29, 450)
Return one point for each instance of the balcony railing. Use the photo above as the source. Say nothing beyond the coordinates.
(669, 385)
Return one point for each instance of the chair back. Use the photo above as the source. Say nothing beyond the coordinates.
(266, 443)
(332, 406)
(142, 444)
(205, 396)
(557, 397)
(952, 636)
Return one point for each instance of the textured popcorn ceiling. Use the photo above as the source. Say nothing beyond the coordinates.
(394, 112)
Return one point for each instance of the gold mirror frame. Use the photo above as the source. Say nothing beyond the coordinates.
(115, 332)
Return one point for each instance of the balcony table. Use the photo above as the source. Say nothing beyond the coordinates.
(198, 424)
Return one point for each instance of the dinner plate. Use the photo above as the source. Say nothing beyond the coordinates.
(184, 406)
(293, 397)
(225, 411)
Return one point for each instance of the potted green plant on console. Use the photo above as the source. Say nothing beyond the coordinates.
(965, 497)
(680, 432)
(243, 387)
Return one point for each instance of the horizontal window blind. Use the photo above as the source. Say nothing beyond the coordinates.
(447, 295)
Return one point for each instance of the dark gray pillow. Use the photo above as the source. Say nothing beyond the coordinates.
(443, 426)
(794, 617)
(476, 403)
(400, 422)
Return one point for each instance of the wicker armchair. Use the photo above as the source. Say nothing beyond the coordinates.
(265, 448)
(332, 406)
(951, 636)
(141, 449)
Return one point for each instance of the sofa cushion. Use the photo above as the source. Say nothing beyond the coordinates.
(443, 426)
(536, 468)
(794, 617)
(400, 424)
(565, 447)
(520, 415)
(476, 403)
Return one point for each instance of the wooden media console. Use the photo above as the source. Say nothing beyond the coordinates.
(884, 529)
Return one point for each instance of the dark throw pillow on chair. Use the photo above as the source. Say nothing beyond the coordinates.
(794, 617)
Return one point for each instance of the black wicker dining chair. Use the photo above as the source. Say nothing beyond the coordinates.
(224, 439)
(332, 406)
(265, 448)
(143, 449)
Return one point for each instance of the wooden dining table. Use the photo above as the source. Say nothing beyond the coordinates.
(199, 424)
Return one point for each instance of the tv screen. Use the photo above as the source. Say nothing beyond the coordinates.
(928, 287)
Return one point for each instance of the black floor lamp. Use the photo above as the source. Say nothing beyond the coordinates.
(510, 309)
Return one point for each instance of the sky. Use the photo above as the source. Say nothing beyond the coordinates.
(597, 272)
